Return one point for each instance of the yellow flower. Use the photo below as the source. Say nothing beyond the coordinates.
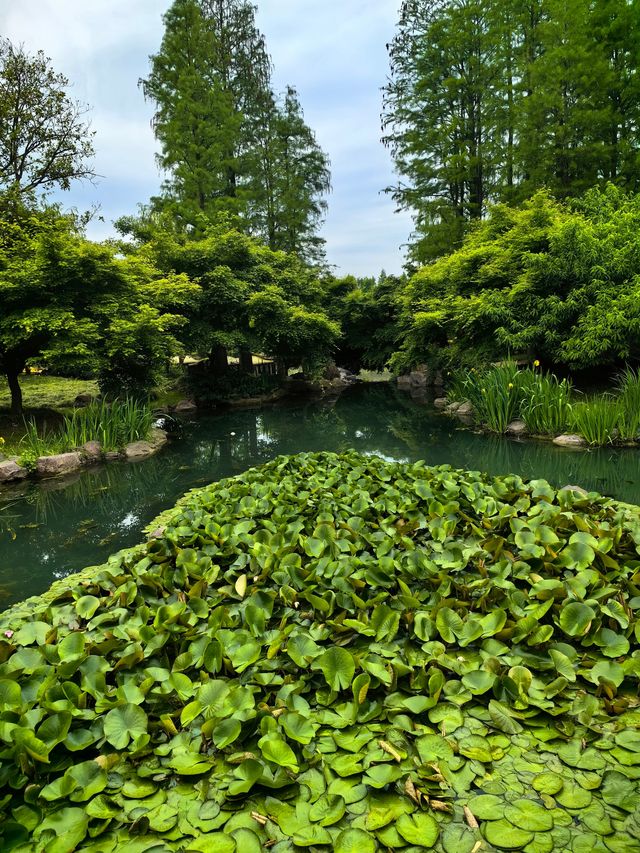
(511, 385)
(1, 441)
(536, 363)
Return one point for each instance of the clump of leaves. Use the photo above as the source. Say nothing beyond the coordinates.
(335, 652)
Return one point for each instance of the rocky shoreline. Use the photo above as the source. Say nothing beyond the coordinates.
(91, 453)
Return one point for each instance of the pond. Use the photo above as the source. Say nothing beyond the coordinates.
(59, 526)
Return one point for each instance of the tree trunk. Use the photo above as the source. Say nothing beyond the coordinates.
(218, 360)
(246, 360)
(16, 392)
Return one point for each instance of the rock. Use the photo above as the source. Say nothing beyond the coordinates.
(452, 408)
(404, 382)
(185, 406)
(10, 471)
(418, 379)
(569, 441)
(441, 402)
(517, 428)
(464, 409)
(61, 463)
(582, 492)
(112, 456)
(138, 450)
(331, 371)
(84, 400)
(157, 438)
(438, 379)
(92, 451)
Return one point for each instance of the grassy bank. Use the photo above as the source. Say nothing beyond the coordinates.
(339, 652)
(47, 392)
(113, 424)
(547, 405)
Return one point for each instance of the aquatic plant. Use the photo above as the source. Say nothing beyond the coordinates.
(629, 396)
(546, 406)
(597, 420)
(335, 651)
(113, 423)
(496, 393)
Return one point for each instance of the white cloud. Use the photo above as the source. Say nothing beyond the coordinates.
(333, 51)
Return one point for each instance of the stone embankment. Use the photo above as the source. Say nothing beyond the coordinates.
(90, 453)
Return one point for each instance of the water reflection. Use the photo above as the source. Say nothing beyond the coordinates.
(50, 529)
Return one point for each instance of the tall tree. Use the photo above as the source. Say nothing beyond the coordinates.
(440, 117)
(45, 140)
(291, 181)
(491, 100)
(227, 144)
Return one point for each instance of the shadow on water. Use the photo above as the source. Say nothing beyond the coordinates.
(50, 529)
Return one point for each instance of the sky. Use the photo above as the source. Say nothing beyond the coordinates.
(332, 51)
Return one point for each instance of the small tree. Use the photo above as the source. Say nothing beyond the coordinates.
(45, 140)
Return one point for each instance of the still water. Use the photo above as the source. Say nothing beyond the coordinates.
(59, 526)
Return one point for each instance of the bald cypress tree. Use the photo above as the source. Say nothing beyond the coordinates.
(227, 143)
(491, 100)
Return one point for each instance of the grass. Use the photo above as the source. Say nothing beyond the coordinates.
(47, 392)
(597, 420)
(113, 424)
(629, 396)
(546, 406)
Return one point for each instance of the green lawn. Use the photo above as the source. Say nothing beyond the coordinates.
(47, 392)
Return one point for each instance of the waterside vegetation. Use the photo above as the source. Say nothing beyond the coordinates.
(548, 406)
(112, 424)
(335, 651)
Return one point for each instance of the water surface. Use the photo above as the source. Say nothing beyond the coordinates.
(55, 527)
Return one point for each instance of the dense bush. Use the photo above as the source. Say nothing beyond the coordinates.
(339, 651)
(550, 281)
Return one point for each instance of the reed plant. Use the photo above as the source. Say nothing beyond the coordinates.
(597, 420)
(113, 424)
(546, 404)
(629, 399)
(496, 394)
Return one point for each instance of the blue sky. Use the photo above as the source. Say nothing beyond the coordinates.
(333, 51)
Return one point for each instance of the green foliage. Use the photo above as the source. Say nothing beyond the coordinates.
(492, 100)
(597, 420)
(73, 304)
(335, 650)
(546, 407)
(250, 297)
(368, 311)
(546, 280)
(45, 142)
(228, 144)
